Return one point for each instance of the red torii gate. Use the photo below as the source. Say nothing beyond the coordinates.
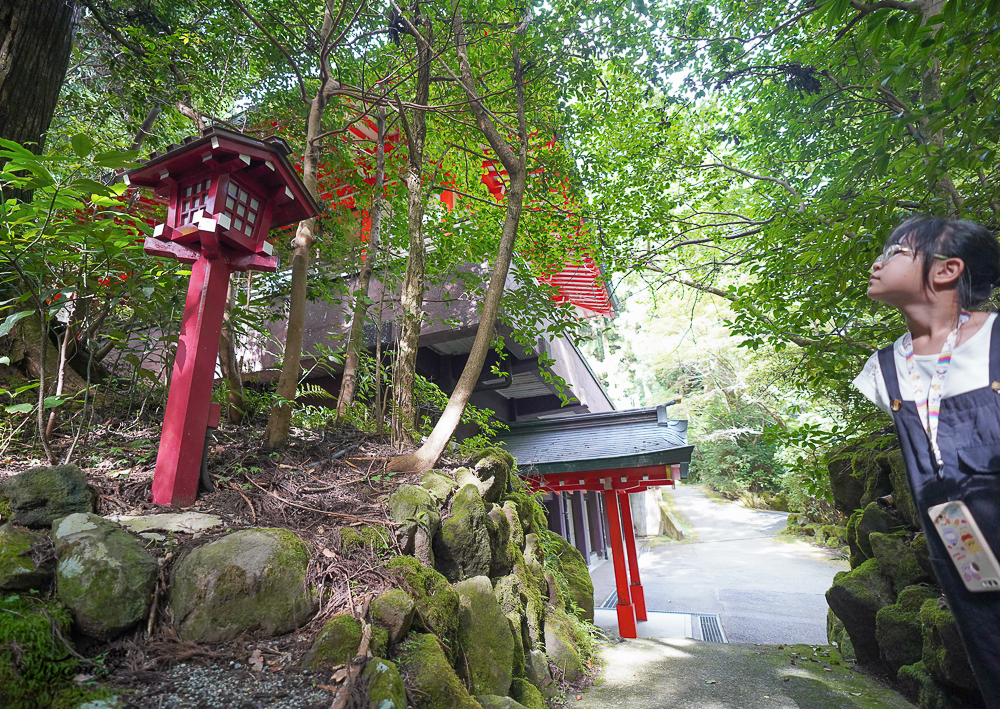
(616, 484)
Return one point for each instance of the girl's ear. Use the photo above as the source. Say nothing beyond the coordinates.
(946, 272)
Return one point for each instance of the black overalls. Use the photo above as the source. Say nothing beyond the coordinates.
(969, 439)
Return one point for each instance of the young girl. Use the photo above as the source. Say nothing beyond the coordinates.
(940, 382)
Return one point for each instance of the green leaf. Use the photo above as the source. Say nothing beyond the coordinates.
(19, 409)
(7, 325)
(117, 159)
(82, 144)
(51, 402)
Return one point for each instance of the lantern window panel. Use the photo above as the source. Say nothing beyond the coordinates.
(242, 208)
(195, 197)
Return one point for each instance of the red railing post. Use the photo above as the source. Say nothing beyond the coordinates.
(626, 614)
(182, 440)
(638, 597)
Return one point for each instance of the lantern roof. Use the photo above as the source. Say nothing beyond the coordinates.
(263, 161)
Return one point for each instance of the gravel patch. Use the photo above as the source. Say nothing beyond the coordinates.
(232, 686)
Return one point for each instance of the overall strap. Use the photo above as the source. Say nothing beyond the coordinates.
(887, 364)
(995, 351)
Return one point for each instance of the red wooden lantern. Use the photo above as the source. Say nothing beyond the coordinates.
(225, 192)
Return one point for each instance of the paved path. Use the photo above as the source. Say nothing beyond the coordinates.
(764, 589)
(688, 674)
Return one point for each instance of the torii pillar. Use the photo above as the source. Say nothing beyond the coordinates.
(626, 612)
(635, 588)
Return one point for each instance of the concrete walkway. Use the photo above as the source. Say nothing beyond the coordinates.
(765, 589)
(689, 674)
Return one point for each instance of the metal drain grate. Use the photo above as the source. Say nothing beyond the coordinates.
(711, 629)
(611, 601)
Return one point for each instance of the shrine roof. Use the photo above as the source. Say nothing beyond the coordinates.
(189, 155)
(614, 440)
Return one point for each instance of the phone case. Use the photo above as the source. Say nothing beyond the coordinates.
(966, 545)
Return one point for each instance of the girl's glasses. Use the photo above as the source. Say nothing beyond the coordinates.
(896, 249)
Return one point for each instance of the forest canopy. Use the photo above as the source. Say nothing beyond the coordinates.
(755, 152)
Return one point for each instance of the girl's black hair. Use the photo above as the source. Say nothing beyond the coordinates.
(976, 245)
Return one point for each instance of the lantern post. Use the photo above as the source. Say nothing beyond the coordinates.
(225, 192)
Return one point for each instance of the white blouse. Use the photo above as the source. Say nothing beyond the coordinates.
(969, 370)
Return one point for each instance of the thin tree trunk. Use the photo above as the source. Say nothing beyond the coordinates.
(280, 421)
(349, 381)
(227, 360)
(430, 452)
(404, 413)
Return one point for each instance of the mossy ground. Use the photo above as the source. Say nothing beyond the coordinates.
(36, 668)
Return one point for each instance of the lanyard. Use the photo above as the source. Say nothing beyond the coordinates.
(928, 401)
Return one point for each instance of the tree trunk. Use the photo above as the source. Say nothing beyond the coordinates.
(35, 41)
(348, 383)
(516, 165)
(230, 367)
(404, 415)
(305, 238)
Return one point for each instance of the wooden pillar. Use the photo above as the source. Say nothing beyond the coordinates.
(185, 421)
(626, 614)
(636, 593)
(580, 524)
(596, 520)
(554, 509)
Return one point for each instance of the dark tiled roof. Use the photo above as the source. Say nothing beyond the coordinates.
(612, 440)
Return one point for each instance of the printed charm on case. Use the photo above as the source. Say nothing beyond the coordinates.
(966, 545)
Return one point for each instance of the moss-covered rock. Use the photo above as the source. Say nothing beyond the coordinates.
(498, 526)
(837, 636)
(836, 533)
(437, 685)
(901, 496)
(103, 575)
(847, 488)
(367, 536)
(560, 643)
(858, 555)
(492, 701)
(484, 638)
(537, 670)
(516, 539)
(39, 496)
(875, 520)
(248, 581)
(416, 513)
(917, 684)
(492, 466)
(922, 553)
(34, 663)
(336, 644)
(393, 610)
(897, 561)
(440, 484)
(530, 511)
(385, 685)
(856, 597)
(527, 694)
(435, 601)
(574, 570)
(943, 653)
(18, 570)
(898, 628)
(462, 548)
